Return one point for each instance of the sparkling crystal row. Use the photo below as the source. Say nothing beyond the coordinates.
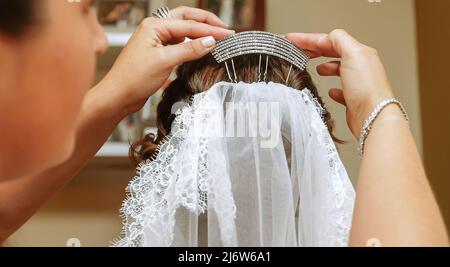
(257, 42)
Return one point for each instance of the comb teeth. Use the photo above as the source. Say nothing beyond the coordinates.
(258, 42)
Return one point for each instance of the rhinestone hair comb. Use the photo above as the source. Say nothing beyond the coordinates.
(262, 43)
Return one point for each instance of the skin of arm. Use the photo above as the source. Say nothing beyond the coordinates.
(98, 119)
(394, 202)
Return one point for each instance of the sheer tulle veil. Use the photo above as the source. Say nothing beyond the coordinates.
(244, 165)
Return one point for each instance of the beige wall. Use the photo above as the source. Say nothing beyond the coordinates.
(433, 23)
(87, 208)
(388, 26)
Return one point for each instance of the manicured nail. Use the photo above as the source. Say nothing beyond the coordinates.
(208, 42)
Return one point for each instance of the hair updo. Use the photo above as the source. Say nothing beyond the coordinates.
(198, 76)
(16, 15)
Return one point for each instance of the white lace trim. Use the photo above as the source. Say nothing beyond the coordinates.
(148, 206)
(344, 194)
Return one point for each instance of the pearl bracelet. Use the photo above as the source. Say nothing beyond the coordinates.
(365, 131)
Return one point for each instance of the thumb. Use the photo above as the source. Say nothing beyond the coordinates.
(189, 50)
(337, 95)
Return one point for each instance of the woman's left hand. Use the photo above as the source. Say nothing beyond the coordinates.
(154, 50)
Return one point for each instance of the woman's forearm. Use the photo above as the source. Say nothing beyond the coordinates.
(20, 198)
(395, 204)
(142, 67)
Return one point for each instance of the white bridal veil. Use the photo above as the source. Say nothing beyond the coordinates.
(244, 165)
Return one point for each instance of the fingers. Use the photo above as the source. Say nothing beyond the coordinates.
(169, 30)
(315, 44)
(188, 51)
(331, 68)
(199, 15)
(343, 43)
(336, 44)
(337, 95)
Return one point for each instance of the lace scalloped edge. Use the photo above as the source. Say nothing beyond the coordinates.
(344, 212)
(342, 221)
(133, 238)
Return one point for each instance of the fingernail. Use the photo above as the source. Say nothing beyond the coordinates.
(208, 41)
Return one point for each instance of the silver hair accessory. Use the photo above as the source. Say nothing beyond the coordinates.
(310, 203)
(262, 43)
(163, 13)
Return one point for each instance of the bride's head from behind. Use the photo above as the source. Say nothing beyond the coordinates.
(199, 76)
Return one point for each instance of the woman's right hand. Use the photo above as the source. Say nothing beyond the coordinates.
(364, 80)
(156, 47)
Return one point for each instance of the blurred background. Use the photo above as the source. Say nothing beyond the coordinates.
(412, 38)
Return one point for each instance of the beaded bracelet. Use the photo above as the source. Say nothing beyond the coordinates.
(365, 131)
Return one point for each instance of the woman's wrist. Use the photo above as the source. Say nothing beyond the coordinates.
(105, 99)
(366, 107)
(389, 109)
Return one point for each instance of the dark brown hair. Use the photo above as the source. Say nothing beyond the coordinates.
(198, 76)
(16, 15)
